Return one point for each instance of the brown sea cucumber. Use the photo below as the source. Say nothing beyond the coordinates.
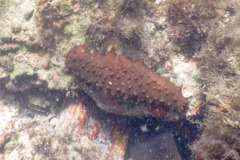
(125, 87)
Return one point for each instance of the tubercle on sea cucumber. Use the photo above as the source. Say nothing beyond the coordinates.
(125, 87)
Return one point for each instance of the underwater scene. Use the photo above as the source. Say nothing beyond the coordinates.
(119, 80)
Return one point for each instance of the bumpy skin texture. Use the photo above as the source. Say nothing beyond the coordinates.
(125, 87)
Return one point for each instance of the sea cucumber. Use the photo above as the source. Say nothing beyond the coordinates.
(122, 86)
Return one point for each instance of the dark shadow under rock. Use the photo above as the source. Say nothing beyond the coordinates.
(161, 146)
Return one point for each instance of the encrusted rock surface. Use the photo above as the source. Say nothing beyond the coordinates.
(194, 43)
(74, 134)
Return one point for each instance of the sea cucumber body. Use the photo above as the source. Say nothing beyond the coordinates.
(126, 87)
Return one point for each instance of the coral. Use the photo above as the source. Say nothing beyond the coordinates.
(129, 83)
